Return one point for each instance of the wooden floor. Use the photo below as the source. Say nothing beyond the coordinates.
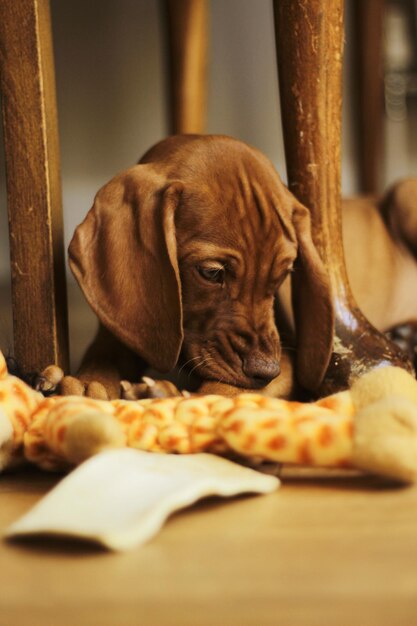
(320, 551)
(326, 549)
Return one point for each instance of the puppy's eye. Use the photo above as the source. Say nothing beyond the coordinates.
(212, 274)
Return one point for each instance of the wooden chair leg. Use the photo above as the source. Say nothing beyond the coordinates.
(33, 185)
(309, 38)
(187, 35)
(368, 18)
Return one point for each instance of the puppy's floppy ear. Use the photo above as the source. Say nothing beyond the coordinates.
(312, 303)
(124, 257)
(311, 295)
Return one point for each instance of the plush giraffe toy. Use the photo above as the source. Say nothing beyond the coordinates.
(372, 427)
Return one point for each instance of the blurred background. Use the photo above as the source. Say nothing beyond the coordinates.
(111, 68)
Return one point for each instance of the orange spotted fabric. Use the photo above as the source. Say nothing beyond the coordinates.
(250, 424)
(318, 434)
(17, 405)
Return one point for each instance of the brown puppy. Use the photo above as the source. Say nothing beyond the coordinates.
(380, 242)
(181, 257)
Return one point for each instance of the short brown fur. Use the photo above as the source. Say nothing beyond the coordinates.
(181, 257)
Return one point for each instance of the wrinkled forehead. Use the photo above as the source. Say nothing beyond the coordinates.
(220, 194)
(240, 220)
(223, 212)
(233, 171)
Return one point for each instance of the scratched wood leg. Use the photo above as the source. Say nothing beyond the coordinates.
(368, 18)
(309, 39)
(187, 35)
(33, 185)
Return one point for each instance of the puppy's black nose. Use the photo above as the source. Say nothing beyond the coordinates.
(260, 370)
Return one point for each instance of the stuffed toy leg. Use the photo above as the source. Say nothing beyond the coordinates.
(17, 405)
(371, 427)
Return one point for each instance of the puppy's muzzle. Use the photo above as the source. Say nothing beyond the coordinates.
(260, 369)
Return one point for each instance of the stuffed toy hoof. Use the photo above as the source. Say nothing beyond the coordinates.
(385, 440)
(382, 383)
(89, 433)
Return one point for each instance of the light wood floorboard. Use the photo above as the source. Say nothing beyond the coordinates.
(325, 549)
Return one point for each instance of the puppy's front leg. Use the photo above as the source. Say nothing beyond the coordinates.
(106, 362)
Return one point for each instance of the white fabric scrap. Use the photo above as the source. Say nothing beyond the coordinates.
(121, 498)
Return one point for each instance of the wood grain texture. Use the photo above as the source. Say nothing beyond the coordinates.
(33, 184)
(324, 549)
(367, 40)
(309, 37)
(187, 22)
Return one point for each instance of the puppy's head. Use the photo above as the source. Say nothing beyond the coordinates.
(183, 254)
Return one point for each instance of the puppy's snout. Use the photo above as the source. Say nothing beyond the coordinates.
(260, 369)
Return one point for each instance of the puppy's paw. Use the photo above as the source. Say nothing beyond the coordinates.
(97, 391)
(71, 386)
(48, 381)
(149, 388)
